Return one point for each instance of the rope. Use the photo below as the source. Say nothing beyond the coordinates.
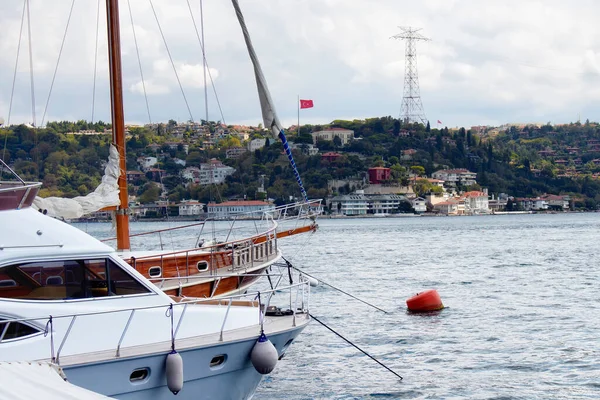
(169, 313)
(356, 347)
(212, 82)
(95, 61)
(333, 287)
(48, 329)
(137, 50)
(171, 59)
(12, 92)
(31, 64)
(58, 62)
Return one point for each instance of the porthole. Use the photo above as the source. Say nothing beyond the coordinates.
(7, 283)
(218, 361)
(139, 375)
(155, 272)
(202, 266)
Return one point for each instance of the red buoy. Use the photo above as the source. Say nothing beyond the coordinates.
(428, 300)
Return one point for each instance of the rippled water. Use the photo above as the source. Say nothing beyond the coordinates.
(522, 318)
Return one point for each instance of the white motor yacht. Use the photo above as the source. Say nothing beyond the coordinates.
(68, 299)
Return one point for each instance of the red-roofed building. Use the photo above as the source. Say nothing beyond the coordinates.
(228, 209)
(476, 202)
(378, 175)
(330, 156)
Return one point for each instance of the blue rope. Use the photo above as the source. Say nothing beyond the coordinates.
(288, 151)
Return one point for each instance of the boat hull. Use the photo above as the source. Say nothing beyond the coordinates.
(236, 378)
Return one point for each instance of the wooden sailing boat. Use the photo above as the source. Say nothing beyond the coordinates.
(217, 269)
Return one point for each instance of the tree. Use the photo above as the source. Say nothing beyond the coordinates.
(418, 170)
(428, 127)
(337, 142)
(150, 193)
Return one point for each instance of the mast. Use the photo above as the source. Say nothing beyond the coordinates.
(118, 118)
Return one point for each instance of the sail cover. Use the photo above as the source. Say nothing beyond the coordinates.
(105, 195)
(266, 104)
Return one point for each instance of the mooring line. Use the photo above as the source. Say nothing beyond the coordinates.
(355, 346)
(333, 287)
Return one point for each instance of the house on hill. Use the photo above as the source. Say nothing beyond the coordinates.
(345, 135)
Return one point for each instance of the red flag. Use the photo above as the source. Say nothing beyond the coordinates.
(439, 122)
(306, 103)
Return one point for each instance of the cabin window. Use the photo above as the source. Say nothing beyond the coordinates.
(70, 279)
(15, 330)
(202, 266)
(155, 272)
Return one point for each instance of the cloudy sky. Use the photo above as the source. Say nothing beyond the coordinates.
(489, 62)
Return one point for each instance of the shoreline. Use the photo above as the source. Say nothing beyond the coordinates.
(335, 216)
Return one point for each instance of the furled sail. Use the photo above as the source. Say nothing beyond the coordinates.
(269, 115)
(105, 195)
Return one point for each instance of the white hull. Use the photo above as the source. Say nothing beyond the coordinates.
(234, 379)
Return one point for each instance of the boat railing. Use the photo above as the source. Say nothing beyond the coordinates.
(236, 255)
(299, 295)
(294, 213)
(17, 195)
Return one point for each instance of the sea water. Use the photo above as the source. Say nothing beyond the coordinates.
(522, 316)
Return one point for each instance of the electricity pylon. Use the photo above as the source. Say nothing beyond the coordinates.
(412, 107)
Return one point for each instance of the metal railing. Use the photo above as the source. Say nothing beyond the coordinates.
(301, 289)
(294, 213)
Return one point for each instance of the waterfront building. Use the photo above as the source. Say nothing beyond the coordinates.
(419, 204)
(476, 202)
(350, 204)
(190, 207)
(229, 209)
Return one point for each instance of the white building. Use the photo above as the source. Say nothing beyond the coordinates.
(191, 174)
(230, 209)
(452, 177)
(190, 207)
(476, 202)
(147, 162)
(256, 144)
(345, 135)
(350, 204)
(234, 152)
(419, 204)
(214, 172)
(306, 148)
(452, 206)
(384, 203)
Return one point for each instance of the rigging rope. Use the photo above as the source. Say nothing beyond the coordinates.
(12, 92)
(57, 62)
(171, 59)
(203, 56)
(137, 50)
(212, 82)
(95, 61)
(356, 347)
(31, 64)
(333, 287)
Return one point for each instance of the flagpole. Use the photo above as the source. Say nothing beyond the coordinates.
(298, 105)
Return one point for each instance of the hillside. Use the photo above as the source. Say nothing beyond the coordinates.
(519, 161)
